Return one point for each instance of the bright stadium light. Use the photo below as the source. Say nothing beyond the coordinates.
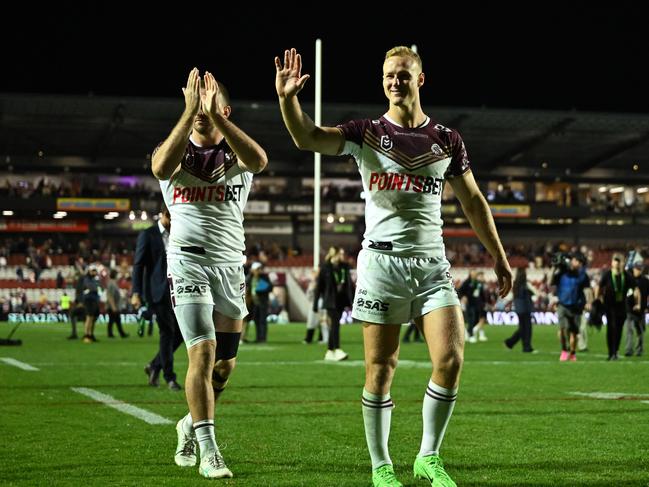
(143, 215)
(602, 189)
(341, 219)
(7, 212)
(330, 218)
(644, 189)
(617, 189)
(131, 215)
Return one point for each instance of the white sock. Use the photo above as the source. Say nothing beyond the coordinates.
(377, 414)
(436, 413)
(187, 425)
(205, 435)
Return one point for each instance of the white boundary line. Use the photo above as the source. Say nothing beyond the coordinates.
(18, 363)
(111, 402)
(610, 395)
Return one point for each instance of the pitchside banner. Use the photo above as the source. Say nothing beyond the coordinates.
(61, 318)
(538, 317)
(493, 318)
(93, 204)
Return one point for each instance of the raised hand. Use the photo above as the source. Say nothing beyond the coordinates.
(192, 92)
(211, 102)
(289, 80)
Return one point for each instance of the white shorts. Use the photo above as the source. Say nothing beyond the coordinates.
(222, 287)
(394, 290)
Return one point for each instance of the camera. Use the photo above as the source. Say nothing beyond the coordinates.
(561, 260)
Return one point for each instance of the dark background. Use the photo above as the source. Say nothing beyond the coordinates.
(536, 55)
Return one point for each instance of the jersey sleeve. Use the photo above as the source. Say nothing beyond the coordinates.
(459, 157)
(354, 131)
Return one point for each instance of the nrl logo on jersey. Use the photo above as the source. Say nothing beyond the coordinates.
(437, 150)
(386, 142)
(189, 160)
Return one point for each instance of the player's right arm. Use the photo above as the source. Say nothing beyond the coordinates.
(306, 135)
(168, 155)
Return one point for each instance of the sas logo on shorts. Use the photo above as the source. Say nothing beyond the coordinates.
(191, 289)
(375, 304)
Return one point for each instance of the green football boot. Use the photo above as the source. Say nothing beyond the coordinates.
(431, 468)
(384, 477)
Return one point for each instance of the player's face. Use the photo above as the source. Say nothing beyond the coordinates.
(402, 78)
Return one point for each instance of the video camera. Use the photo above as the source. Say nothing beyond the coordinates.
(561, 260)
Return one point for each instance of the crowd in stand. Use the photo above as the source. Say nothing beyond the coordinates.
(116, 253)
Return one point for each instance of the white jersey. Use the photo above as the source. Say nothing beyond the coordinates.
(403, 172)
(206, 198)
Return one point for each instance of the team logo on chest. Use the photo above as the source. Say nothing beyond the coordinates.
(437, 150)
(386, 142)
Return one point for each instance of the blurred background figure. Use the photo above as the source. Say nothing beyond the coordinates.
(412, 330)
(337, 291)
(614, 287)
(114, 302)
(636, 307)
(523, 307)
(64, 307)
(317, 318)
(574, 294)
(90, 293)
(260, 288)
(473, 298)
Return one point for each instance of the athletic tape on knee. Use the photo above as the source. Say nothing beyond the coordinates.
(218, 382)
(227, 345)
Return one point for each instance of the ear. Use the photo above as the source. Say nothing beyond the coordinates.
(420, 80)
(227, 110)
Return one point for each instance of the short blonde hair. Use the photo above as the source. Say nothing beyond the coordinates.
(405, 52)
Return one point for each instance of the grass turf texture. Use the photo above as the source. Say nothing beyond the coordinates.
(287, 418)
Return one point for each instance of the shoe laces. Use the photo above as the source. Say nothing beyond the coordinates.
(216, 460)
(386, 472)
(189, 446)
(437, 465)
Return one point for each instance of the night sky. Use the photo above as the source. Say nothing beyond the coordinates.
(543, 56)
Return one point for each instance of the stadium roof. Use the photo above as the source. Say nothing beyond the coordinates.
(54, 133)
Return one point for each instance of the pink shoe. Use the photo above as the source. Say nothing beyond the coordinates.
(573, 357)
(564, 356)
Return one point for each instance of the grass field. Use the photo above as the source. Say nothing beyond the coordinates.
(288, 418)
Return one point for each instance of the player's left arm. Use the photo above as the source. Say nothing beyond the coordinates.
(250, 156)
(477, 211)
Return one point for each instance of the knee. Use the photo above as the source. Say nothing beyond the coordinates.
(201, 357)
(380, 371)
(450, 363)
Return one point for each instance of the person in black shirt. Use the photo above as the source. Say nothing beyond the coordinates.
(636, 309)
(613, 289)
(523, 307)
(337, 291)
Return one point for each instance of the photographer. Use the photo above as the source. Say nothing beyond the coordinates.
(574, 293)
(614, 287)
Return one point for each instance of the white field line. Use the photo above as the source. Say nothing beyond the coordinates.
(610, 395)
(111, 402)
(18, 363)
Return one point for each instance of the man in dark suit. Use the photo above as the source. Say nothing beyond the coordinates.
(150, 281)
